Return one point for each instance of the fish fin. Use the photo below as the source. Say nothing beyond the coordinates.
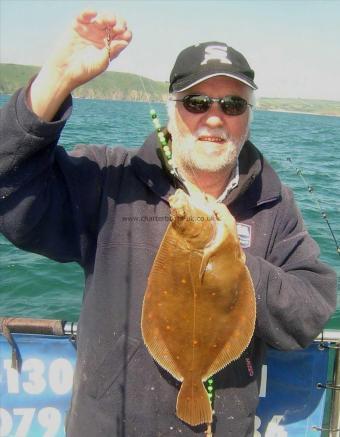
(242, 318)
(193, 405)
(159, 350)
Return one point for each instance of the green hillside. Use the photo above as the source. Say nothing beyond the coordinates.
(127, 86)
(109, 85)
(325, 107)
(13, 76)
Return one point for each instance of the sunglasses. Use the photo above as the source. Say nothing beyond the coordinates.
(198, 104)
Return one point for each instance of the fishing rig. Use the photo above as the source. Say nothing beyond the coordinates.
(317, 203)
(166, 158)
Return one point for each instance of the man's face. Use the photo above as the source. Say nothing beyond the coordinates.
(210, 141)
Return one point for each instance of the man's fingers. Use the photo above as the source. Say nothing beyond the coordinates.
(98, 21)
(97, 27)
(104, 21)
(118, 31)
(116, 48)
(125, 36)
(120, 26)
(87, 16)
(103, 29)
(118, 45)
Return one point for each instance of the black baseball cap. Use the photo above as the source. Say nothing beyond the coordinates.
(202, 61)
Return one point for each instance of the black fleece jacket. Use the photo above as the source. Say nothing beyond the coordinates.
(107, 209)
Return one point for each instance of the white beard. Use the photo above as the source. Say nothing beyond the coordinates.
(190, 154)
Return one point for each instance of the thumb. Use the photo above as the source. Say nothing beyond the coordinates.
(118, 45)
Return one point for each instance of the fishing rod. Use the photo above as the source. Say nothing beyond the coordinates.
(317, 202)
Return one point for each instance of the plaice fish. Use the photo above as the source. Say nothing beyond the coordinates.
(199, 306)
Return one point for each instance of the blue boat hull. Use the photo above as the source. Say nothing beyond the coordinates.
(35, 401)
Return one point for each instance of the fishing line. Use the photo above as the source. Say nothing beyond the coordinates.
(167, 155)
(163, 140)
(317, 202)
(167, 152)
(166, 149)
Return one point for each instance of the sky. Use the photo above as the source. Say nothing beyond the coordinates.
(293, 45)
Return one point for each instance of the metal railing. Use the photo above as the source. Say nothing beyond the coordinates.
(328, 339)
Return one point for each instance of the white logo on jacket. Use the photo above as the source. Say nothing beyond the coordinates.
(244, 234)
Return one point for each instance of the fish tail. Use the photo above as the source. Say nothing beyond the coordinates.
(193, 405)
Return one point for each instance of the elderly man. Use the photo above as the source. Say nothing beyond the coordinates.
(71, 207)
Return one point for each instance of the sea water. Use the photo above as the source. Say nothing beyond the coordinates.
(33, 286)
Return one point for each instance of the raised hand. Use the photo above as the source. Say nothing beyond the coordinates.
(81, 54)
(86, 50)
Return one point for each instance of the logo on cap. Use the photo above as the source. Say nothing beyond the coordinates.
(216, 53)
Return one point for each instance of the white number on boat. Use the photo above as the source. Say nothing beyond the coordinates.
(264, 377)
(274, 428)
(12, 378)
(257, 424)
(34, 376)
(262, 394)
(48, 418)
(36, 383)
(5, 422)
(27, 415)
(60, 376)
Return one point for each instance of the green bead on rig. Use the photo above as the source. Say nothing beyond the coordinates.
(161, 137)
(167, 154)
(210, 389)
